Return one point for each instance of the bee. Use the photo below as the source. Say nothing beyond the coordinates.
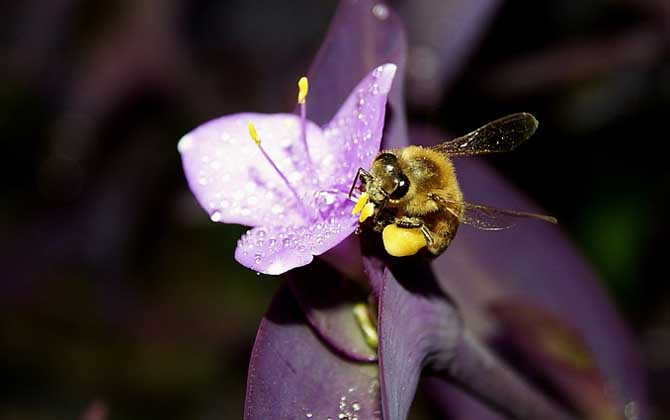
(413, 198)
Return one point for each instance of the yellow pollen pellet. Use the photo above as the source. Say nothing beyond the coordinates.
(402, 242)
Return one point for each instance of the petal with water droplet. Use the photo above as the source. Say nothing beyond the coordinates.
(232, 180)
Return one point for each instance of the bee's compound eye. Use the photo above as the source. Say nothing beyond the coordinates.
(387, 159)
(401, 187)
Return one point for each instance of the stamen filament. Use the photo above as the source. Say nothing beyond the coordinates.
(254, 136)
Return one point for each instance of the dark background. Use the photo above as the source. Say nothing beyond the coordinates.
(117, 288)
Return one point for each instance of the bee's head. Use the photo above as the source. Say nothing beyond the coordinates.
(388, 182)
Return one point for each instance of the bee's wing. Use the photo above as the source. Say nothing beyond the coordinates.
(501, 135)
(491, 218)
(485, 217)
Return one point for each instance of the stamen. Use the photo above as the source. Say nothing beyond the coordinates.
(360, 203)
(303, 90)
(366, 324)
(364, 207)
(367, 211)
(255, 137)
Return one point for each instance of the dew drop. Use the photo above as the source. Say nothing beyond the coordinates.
(184, 144)
(216, 216)
(380, 11)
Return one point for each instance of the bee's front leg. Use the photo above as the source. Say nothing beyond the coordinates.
(415, 223)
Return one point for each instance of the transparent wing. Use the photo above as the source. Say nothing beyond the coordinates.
(485, 217)
(491, 218)
(501, 135)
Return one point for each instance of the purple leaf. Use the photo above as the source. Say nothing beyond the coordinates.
(327, 298)
(293, 375)
(443, 36)
(418, 325)
(556, 353)
(420, 328)
(533, 262)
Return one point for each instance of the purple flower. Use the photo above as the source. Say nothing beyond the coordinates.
(292, 185)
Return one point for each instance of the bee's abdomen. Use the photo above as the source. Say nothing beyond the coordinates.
(443, 226)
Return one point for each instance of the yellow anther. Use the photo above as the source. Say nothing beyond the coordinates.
(402, 242)
(367, 211)
(362, 201)
(254, 134)
(303, 89)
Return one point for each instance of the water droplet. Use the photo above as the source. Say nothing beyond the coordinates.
(185, 143)
(202, 181)
(380, 11)
(356, 406)
(308, 415)
(258, 258)
(216, 216)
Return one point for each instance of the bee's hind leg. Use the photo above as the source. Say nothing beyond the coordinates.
(415, 223)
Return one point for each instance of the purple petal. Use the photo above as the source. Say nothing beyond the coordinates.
(328, 299)
(417, 325)
(275, 250)
(232, 180)
(359, 123)
(292, 375)
(363, 34)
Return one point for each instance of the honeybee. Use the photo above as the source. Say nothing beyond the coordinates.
(413, 198)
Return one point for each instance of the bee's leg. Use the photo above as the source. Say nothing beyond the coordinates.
(353, 184)
(414, 223)
(428, 235)
(363, 175)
